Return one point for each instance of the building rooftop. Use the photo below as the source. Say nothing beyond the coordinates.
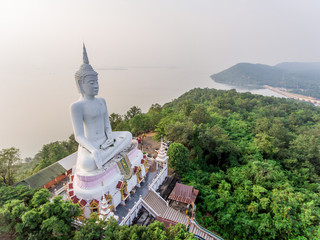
(69, 161)
(49, 173)
(43, 176)
(184, 193)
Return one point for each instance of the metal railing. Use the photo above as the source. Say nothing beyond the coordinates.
(60, 190)
(206, 230)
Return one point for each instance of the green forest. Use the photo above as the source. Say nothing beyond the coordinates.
(255, 161)
(299, 78)
(29, 214)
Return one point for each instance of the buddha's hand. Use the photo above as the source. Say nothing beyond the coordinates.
(107, 143)
(96, 154)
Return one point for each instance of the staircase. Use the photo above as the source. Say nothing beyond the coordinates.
(155, 202)
(202, 233)
(162, 210)
(160, 207)
(175, 216)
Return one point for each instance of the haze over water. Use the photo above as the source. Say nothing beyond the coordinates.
(167, 48)
(121, 87)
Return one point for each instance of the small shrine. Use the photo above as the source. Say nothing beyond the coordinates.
(183, 194)
(106, 208)
(162, 157)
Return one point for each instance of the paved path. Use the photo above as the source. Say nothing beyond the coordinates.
(122, 211)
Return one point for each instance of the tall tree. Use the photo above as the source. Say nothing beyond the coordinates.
(8, 158)
(115, 119)
(133, 111)
(140, 123)
(178, 157)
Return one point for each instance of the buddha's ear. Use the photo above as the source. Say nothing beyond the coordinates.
(80, 87)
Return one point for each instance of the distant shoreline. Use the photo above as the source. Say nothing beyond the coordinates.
(295, 96)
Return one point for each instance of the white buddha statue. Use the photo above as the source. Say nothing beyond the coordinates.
(91, 124)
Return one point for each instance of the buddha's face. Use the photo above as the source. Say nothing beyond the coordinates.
(90, 86)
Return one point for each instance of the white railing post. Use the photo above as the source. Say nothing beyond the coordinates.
(131, 212)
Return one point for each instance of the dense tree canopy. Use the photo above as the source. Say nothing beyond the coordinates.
(55, 151)
(95, 229)
(40, 218)
(255, 161)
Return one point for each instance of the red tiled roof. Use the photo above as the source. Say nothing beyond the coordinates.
(94, 200)
(75, 199)
(135, 169)
(105, 195)
(184, 193)
(83, 202)
(72, 177)
(119, 184)
(142, 161)
(70, 185)
(166, 222)
(70, 193)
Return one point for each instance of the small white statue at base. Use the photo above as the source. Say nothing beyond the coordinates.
(91, 124)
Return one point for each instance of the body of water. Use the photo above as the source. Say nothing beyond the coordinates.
(144, 86)
(263, 91)
(45, 108)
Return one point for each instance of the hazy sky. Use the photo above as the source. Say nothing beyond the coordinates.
(41, 50)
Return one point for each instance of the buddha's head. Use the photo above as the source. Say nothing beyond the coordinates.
(86, 77)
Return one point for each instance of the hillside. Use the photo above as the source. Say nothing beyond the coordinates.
(300, 78)
(255, 161)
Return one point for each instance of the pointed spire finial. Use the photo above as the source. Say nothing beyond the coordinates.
(85, 56)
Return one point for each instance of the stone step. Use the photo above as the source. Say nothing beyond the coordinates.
(157, 204)
(160, 207)
(175, 216)
(198, 231)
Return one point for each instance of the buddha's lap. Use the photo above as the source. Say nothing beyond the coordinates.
(85, 159)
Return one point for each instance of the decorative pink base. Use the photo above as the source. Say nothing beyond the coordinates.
(87, 182)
